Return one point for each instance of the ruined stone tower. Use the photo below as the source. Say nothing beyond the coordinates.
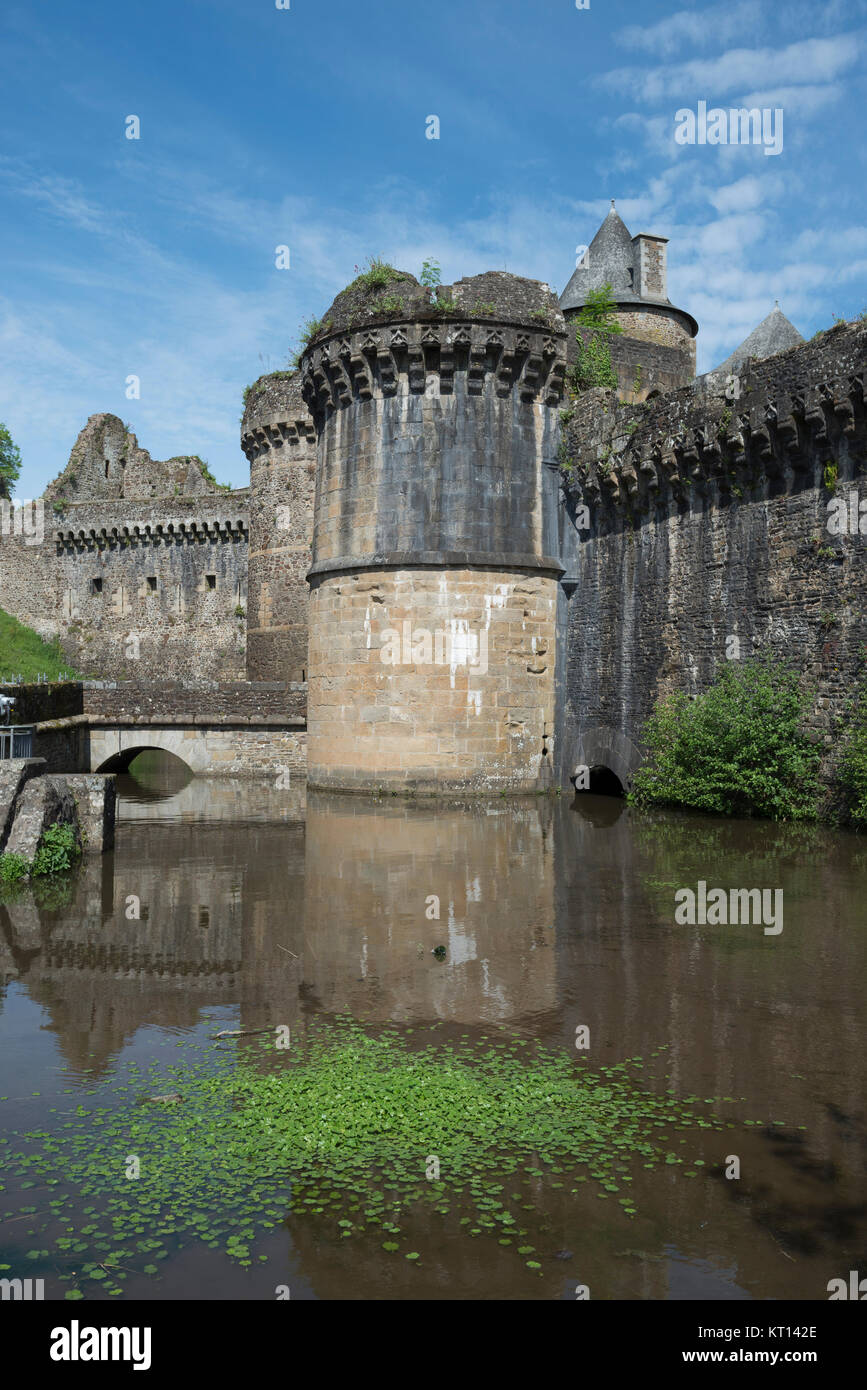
(434, 579)
(278, 439)
(656, 350)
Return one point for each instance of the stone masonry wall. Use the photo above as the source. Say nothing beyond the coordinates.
(132, 563)
(239, 750)
(653, 355)
(107, 462)
(279, 440)
(156, 698)
(710, 520)
(474, 715)
(128, 586)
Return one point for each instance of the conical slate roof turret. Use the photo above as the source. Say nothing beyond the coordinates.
(608, 261)
(611, 259)
(774, 334)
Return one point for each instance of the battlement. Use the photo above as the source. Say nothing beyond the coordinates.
(492, 329)
(766, 427)
(199, 532)
(405, 489)
(414, 357)
(275, 415)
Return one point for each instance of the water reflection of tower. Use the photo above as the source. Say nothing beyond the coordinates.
(373, 869)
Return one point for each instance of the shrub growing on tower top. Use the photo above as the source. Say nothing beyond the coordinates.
(376, 275)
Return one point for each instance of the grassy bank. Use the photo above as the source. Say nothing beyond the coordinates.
(23, 653)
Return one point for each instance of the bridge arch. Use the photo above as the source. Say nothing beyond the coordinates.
(112, 750)
(121, 761)
(610, 755)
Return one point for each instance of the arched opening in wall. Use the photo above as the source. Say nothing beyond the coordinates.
(147, 774)
(653, 395)
(602, 782)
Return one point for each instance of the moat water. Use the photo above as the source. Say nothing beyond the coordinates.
(236, 905)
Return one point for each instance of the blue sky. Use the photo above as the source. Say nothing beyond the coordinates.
(306, 127)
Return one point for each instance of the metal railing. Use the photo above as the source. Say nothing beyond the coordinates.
(16, 740)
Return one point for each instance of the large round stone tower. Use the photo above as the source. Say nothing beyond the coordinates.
(278, 437)
(434, 579)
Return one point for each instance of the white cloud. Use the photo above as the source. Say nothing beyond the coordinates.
(808, 63)
(697, 28)
(795, 101)
(747, 193)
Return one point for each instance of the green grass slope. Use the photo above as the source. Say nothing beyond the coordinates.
(23, 653)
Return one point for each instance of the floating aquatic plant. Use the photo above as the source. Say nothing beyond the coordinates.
(347, 1127)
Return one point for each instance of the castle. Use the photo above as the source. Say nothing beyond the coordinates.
(482, 583)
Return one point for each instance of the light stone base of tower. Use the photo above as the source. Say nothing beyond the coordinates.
(469, 704)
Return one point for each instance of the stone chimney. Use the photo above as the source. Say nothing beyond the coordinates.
(649, 276)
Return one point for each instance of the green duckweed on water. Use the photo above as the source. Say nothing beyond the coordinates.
(346, 1127)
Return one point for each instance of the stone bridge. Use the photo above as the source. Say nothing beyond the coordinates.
(209, 746)
(246, 729)
(208, 749)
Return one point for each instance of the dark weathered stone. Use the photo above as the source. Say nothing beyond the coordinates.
(435, 508)
(14, 773)
(428, 425)
(44, 801)
(95, 797)
(708, 521)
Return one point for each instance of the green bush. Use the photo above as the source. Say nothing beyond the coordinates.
(444, 305)
(592, 366)
(387, 304)
(737, 750)
(852, 770)
(13, 867)
(57, 851)
(307, 331)
(206, 472)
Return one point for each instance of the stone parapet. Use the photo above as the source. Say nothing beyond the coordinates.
(428, 357)
(768, 427)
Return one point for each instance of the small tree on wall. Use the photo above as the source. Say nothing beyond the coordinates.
(595, 326)
(10, 462)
